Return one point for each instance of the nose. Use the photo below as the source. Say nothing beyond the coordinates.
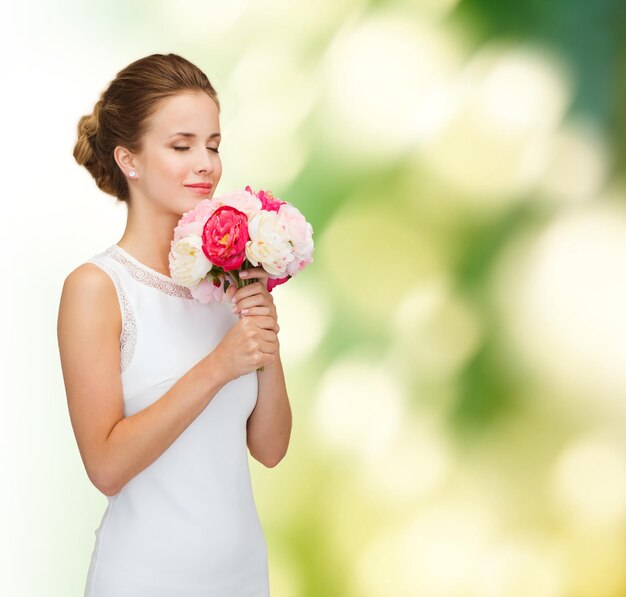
(204, 164)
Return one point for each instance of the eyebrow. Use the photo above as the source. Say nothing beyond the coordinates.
(183, 134)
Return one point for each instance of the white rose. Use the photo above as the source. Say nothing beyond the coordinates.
(269, 242)
(188, 263)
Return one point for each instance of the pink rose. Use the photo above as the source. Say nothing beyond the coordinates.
(193, 220)
(241, 200)
(273, 282)
(207, 291)
(224, 238)
(267, 199)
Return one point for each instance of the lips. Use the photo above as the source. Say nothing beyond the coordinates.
(202, 188)
(200, 185)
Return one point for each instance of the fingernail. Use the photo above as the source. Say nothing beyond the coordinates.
(243, 274)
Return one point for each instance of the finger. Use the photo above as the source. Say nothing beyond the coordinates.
(255, 310)
(267, 335)
(256, 273)
(269, 341)
(262, 333)
(253, 272)
(268, 347)
(252, 289)
(263, 322)
(260, 311)
(256, 300)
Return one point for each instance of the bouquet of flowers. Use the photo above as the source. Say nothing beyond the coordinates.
(224, 235)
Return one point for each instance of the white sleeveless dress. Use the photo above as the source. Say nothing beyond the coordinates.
(187, 525)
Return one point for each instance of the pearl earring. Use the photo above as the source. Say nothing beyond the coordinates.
(132, 173)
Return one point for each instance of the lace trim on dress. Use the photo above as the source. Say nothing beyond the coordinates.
(142, 273)
(128, 335)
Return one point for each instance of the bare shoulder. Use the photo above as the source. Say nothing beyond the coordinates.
(88, 291)
(89, 278)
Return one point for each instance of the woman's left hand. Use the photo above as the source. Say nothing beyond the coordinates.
(254, 298)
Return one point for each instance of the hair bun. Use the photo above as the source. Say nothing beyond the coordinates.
(86, 148)
(87, 129)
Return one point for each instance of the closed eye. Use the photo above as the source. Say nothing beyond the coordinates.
(185, 148)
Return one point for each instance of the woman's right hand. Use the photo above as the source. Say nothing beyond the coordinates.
(247, 346)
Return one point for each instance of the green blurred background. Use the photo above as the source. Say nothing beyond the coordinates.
(456, 353)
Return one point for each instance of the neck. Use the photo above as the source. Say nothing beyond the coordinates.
(148, 236)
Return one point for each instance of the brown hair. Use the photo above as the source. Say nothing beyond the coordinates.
(120, 115)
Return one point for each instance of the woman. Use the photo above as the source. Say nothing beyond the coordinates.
(163, 392)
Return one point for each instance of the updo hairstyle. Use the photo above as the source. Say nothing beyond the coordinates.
(120, 115)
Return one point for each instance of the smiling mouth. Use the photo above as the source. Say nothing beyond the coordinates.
(199, 188)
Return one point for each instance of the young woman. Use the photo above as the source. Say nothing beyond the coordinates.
(163, 391)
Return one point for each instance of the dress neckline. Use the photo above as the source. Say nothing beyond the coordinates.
(144, 266)
(146, 275)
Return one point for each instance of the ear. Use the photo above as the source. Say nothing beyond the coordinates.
(125, 159)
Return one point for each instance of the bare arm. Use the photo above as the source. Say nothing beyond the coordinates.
(115, 448)
(137, 441)
(269, 425)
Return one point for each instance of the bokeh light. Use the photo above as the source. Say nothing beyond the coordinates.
(561, 299)
(490, 142)
(359, 407)
(601, 500)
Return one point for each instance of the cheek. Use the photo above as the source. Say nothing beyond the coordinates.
(172, 166)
